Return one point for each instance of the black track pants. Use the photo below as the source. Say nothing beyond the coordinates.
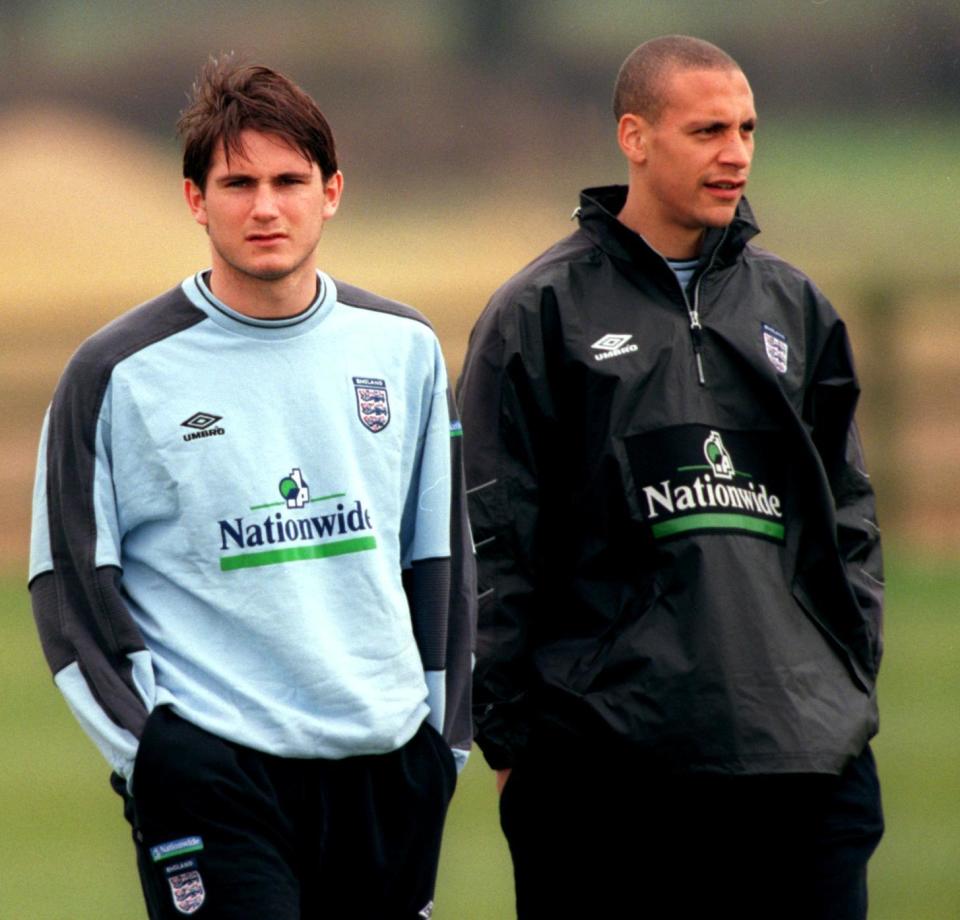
(226, 833)
(592, 838)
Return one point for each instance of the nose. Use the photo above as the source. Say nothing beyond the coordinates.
(264, 202)
(738, 151)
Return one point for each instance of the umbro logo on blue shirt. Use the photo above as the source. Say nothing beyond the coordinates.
(201, 420)
(203, 425)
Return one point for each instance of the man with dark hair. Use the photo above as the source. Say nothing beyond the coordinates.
(251, 569)
(679, 564)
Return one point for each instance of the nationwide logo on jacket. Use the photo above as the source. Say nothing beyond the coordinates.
(336, 527)
(696, 479)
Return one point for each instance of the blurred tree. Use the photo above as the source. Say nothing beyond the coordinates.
(14, 15)
(470, 86)
(491, 34)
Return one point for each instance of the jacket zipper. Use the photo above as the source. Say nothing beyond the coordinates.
(696, 333)
(693, 311)
(696, 330)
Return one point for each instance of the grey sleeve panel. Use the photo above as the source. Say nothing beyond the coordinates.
(357, 297)
(462, 628)
(79, 609)
(46, 612)
(443, 602)
(66, 638)
(427, 585)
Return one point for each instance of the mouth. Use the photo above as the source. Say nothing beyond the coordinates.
(265, 239)
(726, 189)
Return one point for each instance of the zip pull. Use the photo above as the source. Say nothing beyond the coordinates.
(696, 334)
(696, 330)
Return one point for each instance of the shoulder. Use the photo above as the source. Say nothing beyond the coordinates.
(133, 331)
(522, 314)
(765, 260)
(781, 277)
(775, 267)
(139, 328)
(520, 299)
(551, 268)
(351, 296)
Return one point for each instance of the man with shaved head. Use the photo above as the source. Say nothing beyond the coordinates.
(680, 571)
(641, 84)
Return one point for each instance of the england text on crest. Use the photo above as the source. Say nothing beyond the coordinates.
(373, 404)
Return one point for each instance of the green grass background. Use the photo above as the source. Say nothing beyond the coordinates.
(65, 852)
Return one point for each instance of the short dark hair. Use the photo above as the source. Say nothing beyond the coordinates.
(229, 97)
(640, 83)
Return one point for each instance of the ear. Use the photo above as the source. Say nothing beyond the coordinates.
(632, 137)
(332, 191)
(195, 201)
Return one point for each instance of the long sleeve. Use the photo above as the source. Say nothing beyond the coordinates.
(462, 632)
(858, 535)
(831, 403)
(507, 412)
(93, 647)
(440, 573)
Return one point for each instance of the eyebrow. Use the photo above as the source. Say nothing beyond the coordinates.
(701, 124)
(305, 175)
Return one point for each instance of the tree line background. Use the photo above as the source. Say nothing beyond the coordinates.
(498, 76)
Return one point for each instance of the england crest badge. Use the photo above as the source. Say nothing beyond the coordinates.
(188, 891)
(775, 345)
(373, 404)
(181, 872)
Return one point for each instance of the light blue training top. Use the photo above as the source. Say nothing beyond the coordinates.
(226, 512)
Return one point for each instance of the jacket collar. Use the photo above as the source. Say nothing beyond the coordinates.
(598, 212)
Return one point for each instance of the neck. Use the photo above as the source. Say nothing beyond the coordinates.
(261, 298)
(642, 216)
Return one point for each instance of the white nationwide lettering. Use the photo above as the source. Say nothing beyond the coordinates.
(668, 498)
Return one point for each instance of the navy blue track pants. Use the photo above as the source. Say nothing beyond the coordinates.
(602, 838)
(227, 833)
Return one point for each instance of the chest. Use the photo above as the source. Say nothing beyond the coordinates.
(258, 431)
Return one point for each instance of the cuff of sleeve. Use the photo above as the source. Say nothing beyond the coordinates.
(460, 757)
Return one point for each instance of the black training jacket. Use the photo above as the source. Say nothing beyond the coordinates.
(677, 543)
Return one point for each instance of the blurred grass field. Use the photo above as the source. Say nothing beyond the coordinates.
(65, 852)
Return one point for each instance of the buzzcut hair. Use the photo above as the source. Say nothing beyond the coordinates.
(229, 97)
(639, 89)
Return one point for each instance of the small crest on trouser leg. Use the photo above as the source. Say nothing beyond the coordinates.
(188, 891)
(181, 872)
(427, 911)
